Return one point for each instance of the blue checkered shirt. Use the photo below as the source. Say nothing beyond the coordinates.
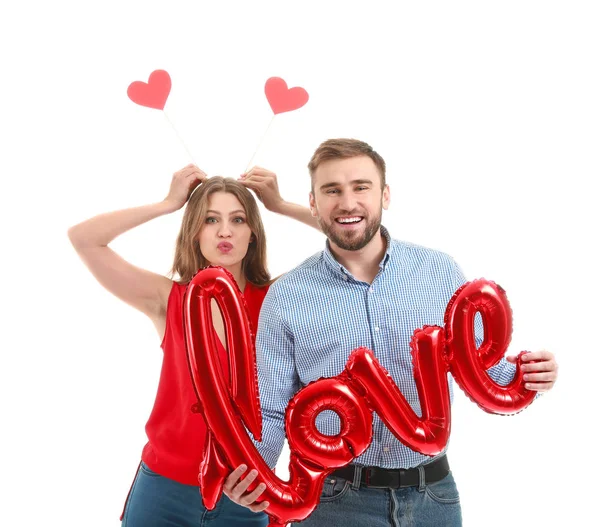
(316, 314)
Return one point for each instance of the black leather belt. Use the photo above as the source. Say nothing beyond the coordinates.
(383, 478)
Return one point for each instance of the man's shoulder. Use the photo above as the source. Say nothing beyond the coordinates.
(410, 251)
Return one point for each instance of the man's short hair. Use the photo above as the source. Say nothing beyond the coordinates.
(344, 149)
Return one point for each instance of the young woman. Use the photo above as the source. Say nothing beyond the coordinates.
(221, 226)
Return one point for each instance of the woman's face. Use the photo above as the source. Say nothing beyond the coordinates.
(224, 237)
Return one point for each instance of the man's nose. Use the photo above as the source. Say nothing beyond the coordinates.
(347, 202)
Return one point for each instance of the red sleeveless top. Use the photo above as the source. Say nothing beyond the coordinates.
(176, 435)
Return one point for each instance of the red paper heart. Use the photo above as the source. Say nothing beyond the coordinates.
(152, 94)
(284, 99)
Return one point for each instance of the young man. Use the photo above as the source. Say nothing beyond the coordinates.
(364, 289)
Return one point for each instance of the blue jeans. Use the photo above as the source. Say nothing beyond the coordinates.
(344, 504)
(156, 501)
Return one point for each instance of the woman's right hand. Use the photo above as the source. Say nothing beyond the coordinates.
(183, 184)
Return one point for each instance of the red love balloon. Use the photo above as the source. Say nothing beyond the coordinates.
(429, 433)
(152, 94)
(468, 364)
(364, 386)
(227, 410)
(284, 99)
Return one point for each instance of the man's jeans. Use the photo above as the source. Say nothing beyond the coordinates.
(346, 505)
(156, 501)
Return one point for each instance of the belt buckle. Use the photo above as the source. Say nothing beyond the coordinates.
(368, 480)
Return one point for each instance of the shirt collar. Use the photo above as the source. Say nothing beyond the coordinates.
(338, 267)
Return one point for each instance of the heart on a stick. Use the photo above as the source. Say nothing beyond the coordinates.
(284, 99)
(152, 94)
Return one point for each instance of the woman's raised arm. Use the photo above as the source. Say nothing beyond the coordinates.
(264, 184)
(142, 289)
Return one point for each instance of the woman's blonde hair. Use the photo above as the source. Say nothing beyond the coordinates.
(188, 256)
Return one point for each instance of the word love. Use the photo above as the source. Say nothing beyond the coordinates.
(362, 388)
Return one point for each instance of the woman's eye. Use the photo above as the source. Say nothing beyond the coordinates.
(239, 219)
(211, 220)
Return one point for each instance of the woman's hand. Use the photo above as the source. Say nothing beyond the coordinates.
(183, 184)
(264, 183)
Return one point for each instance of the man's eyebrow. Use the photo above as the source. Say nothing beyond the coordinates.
(353, 182)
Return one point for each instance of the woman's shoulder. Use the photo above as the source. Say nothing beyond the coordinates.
(176, 294)
(179, 287)
(256, 293)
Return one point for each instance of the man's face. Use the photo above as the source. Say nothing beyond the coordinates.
(347, 201)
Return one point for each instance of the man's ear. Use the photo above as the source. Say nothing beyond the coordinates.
(311, 204)
(385, 199)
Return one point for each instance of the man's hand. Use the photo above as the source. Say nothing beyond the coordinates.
(540, 370)
(235, 489)
(264, 183)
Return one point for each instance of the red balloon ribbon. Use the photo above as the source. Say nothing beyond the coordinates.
(363, 387)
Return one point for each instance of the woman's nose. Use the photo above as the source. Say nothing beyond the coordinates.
(224, 231)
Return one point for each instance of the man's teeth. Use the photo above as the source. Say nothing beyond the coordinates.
(349, 220)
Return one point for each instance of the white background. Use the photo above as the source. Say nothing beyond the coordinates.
(487, 114)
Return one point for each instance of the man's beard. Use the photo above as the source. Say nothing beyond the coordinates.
(349, 241)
